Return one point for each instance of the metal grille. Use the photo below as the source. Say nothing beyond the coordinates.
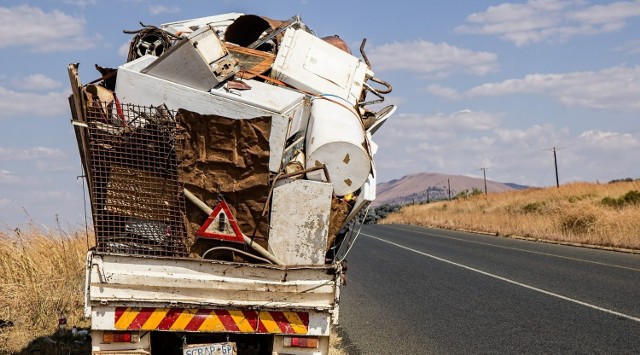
(137, 199)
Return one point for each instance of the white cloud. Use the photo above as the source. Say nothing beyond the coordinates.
(609, 141)
(41, 31)
(431, 59)
(36, 82)
(463, 141)
(461, 121)
(56, 166)
(16, 154)
(616, 88)
(13, 103)
(632, 47)
(549, 20)
(4, 202)
(443, 92)
(123, 50)
(155, 10)
(80, 3)
(601, 155)
(612, 15)
(474, 120)
(8, 178)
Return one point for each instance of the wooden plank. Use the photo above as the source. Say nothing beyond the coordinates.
(79, 113)
(252, 61)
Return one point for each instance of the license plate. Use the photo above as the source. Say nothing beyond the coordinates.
(210, 349)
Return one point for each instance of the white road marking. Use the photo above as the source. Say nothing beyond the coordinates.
(518, 249)
(549, 293)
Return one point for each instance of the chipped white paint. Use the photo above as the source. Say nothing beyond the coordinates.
(300, 221)
(336, 138)
(135, 281)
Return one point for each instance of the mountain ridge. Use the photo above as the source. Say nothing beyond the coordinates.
(425, 186)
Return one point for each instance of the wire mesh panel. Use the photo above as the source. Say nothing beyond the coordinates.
(138, 205)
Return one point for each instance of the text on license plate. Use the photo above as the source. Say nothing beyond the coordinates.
(210, 349)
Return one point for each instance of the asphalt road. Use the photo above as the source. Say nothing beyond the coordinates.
(414, 290)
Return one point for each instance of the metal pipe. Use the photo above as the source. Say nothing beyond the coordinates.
(301, 172)
(237, 251)
(364, 55)
(208, 210)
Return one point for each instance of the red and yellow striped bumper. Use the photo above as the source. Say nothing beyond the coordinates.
(211, 320)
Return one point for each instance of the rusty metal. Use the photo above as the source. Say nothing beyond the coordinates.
(376, 80)
(364, 55)
(137, 200)
(337, 42)
(302, 172)
(388, 86)
(149, 40)
(274, 31)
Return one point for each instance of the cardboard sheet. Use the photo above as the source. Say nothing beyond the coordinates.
(229, 158)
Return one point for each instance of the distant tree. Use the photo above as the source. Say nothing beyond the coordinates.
(461, 195)
(466, 193)
(380, 212)
(621, 180)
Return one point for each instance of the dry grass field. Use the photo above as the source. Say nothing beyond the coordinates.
(41, 277)
(598, 214)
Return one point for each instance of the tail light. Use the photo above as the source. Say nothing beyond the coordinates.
(301, 342)
(120, 337)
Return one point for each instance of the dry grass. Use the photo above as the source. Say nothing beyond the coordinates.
(41, 277)
(335, 344)
(573, 213)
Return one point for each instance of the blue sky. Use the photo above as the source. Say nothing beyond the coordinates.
(478, 84)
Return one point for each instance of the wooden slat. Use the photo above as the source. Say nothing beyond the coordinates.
(252, 61)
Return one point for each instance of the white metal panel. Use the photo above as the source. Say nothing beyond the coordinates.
(300, 221)
(307, 62)
(123, 280)
(261, 97)
(200, 61)
(262, 100)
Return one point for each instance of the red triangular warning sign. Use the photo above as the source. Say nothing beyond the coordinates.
(221, 225)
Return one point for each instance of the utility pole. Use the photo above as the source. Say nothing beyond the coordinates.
(449, 188)
(484, 173)
(555, 162)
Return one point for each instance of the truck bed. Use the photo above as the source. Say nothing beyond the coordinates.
(149, 293)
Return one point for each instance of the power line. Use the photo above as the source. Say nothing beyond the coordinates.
(484, 173)
(555, 162)
(544, 175)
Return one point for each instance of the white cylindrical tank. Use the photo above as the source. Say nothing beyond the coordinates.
(336, 138)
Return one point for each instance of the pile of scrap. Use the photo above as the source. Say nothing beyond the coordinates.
(234, 137)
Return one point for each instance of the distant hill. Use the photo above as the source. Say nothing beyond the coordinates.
(432, 186)
(516, 186)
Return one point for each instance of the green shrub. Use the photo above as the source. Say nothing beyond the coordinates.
(630, 198)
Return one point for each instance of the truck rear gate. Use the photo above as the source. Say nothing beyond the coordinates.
(151, 298)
